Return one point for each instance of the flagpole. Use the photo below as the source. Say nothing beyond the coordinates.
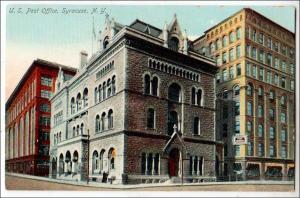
(93, 37)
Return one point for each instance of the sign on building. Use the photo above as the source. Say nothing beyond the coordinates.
(239, 139)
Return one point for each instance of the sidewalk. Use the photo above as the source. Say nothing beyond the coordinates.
(130, 186)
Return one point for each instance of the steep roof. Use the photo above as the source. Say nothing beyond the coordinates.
(145, 28)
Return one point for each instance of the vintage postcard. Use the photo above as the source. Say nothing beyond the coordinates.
(123, 98)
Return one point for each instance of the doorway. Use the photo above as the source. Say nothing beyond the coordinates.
(174, 163)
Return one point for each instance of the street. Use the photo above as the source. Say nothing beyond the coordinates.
(18, 183)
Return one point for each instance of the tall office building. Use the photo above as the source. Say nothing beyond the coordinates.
(28, 118)
(255, 95)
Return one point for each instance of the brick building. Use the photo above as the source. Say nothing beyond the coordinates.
(256, 98)
(28, 119)
(141, 110)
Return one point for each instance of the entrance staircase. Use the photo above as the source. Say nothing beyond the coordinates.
(173, 180)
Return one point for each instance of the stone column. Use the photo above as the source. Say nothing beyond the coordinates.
(66, 168)
(146, 164)
(158, 164)
(262, 171)
(285, 172)
(198, 167)
(193, 172)
(153, 163)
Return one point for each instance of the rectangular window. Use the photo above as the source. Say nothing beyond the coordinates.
(275, 46)
(283, 82)
(261, 74)
(231, 55)
(261, 56)
(254, 71)
(253, 53)
(272, 151)
(276, 65)
(47, 81)
(238, 51)
(46, 94)
(283, 151)
(237, 108)
(219, 62)
(237, 124)
(269, 59)
(238, 69)
(248, 48)
(269, 42)
(218, 78)
(283, 66)
(248, 69)
(292, 85)
(249, 149)
(261, 38)
(253, 35)
(260, 150)
(260, 111)
(283, 135)
(224, 75)
(269, 77)
(272, 133)
(231, 72)
(283, 50)
(292, 68)
(224, 57)
(45, 120)
(276, 79)
(260, 130)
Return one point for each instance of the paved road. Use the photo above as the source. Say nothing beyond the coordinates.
(18, 183)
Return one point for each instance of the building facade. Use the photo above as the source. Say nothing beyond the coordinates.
(140, 110)
(28, 119)
(255, 95)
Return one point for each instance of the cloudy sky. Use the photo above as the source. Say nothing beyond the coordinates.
(59, 37)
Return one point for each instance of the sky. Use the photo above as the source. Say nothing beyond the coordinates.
(59, 37)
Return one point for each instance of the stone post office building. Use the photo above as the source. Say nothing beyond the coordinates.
(141, 109)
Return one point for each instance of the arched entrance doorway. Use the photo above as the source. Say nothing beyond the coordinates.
(54, 167)
(174, 163)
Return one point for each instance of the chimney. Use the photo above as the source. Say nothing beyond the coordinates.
(83, 58)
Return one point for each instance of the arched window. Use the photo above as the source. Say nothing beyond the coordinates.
(151, 118)
(77, 130)
(75, 161)
(61, 164)
(96, 95)
(249, 108)
(174, 92)
(174, 44)
(283, 117)
(110, 119)
(154, 86)
(69, 162)
(85, 97)
(74, 131)
(111, 158)
(224, 41)
(95, 164)
(103, 121)
(97, 123)
(199, 97)
(236, 90)
(78, 101)
(173, 120)
(147, 84)
(249, 89)
(60, 136)
(55, 139)
(102, 160)
(238, 33)
(105, 42)
(81, 128)
(72, 105)
(108, 88)
(231, 37)
(196, 126)
(193, 95)
(113, 85)
(104, 91)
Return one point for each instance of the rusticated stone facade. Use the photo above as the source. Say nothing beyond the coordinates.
(153, 118)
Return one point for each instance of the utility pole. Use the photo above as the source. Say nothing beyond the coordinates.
(182, 165)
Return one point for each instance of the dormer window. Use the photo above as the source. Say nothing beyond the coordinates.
(174, 44)
(105, 42)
